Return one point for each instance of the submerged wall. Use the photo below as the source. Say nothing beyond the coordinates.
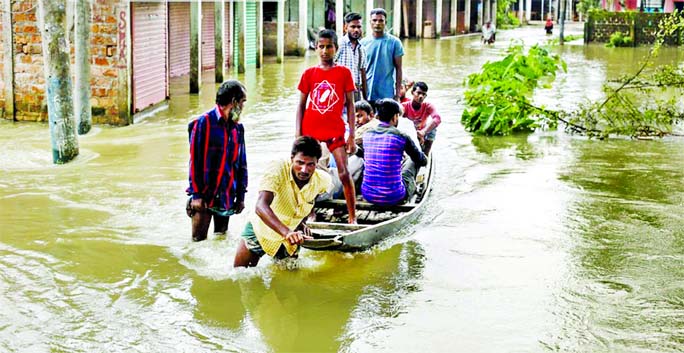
(639, 26)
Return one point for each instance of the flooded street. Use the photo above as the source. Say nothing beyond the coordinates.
(531, 243)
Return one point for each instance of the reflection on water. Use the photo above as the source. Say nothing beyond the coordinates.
(530, 242)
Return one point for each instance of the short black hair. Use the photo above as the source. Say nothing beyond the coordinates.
(379, 11)
(363, 105)
(420, 84)
(229, 91)
(328, 33)
(307, 146)
(352, 16)
(387, 108)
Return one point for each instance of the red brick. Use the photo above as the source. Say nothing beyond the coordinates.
(26, 59)
(101, 61)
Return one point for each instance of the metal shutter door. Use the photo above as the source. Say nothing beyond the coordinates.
(237, 28)
(208, 55)
(251, 35)
(179, 38)
(149, 54)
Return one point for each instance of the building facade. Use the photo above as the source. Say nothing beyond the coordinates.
(136, 47)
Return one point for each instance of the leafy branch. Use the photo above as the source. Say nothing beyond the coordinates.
(644, 103)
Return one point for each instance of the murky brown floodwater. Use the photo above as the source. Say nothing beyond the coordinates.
(542, 242)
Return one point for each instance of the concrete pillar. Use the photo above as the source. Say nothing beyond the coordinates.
(241, 19)
(528, 10)
(453, 17)
(419, 19)
(396, 18)
(520, 11)
(367, 16)
(124, 66)
(8, 58)
(260, 34)
(557, 11)
(339, 17)
(57, 64)
(231, 33)
(466, 17)
(219, 13)
(195, 46)
(485, 11)
(480, 15)
(438, 19)
(280, 32)
(303, 25)
(494, 12)
(82, 66)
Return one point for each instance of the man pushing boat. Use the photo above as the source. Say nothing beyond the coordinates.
(286, 197)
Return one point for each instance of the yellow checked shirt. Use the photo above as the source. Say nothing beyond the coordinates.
(290, 204)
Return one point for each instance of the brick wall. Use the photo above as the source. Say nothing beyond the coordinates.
(29, 79)
(105, 55)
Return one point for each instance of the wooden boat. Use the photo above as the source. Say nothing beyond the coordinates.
(375, 223)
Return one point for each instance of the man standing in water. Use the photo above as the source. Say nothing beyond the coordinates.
(286, 197)
(218, 162)
(353, 55)
(384, 52)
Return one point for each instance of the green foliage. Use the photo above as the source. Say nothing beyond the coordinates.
(504, 18)
(568, 38)
(618, 39)
(645, 103)
(584, 6)
(497, 97)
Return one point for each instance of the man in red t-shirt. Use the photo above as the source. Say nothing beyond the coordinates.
(327, 88)
(423, 115)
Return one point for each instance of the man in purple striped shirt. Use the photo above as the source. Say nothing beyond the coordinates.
(388, 180)
(218, 162)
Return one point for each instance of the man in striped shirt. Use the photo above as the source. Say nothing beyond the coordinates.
(352, 54)
(388, 180)
(218, 162)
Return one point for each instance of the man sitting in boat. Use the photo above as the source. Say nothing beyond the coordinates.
(424, 116)
(387, 180)
(286, 197)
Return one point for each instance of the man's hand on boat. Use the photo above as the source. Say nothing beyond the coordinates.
(297, 237)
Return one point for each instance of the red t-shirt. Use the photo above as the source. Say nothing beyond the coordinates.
(326, 91)
(420, 116)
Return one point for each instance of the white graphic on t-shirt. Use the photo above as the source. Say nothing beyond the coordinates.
(323, 97)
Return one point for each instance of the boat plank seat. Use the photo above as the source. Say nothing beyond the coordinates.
(362, 205)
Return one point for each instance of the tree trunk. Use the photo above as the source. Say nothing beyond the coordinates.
(82, 62)
(52, 14)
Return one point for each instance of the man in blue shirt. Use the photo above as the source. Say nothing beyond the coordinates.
(383, 54)
(218, 162)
